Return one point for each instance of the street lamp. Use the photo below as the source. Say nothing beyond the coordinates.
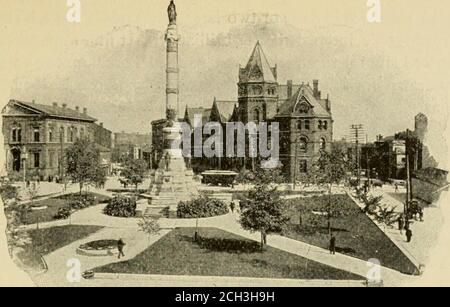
(24, 158)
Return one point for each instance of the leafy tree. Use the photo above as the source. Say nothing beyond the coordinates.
(371, 204)
(331, 168)
(134, 171)
(8, 192)
(84, 164)
(16, 237)
(149, 225)
(32, 192)
(386, 215)
(262, 209)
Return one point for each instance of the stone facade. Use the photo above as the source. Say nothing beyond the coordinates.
(36, 137)
(305, 118)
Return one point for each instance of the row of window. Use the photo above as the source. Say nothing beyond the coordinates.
(16, 134)
(303, 144)
(306, 125)
(53, 159)
(72, 134)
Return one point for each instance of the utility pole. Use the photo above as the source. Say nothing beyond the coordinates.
(295, 163)
(356, 135)
(408, 186)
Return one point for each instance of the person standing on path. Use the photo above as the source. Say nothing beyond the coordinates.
(120, 245)
(401, 224)
(232, 206)
(408, 235)
(333, 244)
(421, 214)
(396, 188)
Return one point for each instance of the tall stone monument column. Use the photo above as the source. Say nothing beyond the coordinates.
(172, 182)
(172, 132)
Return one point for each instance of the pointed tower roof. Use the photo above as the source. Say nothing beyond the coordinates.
(258, 68)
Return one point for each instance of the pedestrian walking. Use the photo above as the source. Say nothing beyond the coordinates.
(396, 187)
(333, 244)
(407, 223)
(421, 214)
(232, 206)
(120, 245)
(408, 235)
(401, 224)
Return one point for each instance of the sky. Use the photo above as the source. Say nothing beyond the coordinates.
(112, 62)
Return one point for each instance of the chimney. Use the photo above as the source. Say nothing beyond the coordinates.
(64, 105)
(33, 102)
(289, 89)
(316, 89)
(84, 110)
(55, 104)
(77, 108)
(101, 125)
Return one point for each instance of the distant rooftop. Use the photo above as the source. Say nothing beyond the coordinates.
(54, 110)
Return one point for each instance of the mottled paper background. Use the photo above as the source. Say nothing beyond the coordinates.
(378, 74)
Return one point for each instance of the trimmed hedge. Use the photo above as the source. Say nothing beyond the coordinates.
(63, 214)
(201, 207)
(121, 206)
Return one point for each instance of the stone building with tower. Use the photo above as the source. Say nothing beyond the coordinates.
(304, 117)
(37, 135)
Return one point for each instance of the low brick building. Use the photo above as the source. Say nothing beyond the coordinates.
(37, 135)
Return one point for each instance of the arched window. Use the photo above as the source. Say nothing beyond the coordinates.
(303, 144)
(81, 132)
(307, 124)
(320, 125)
(256, 116)
(61, 135)
(299, 125)
(71, 135)
(16, 134)
(51, 134)
(325, 125)
(36, 134)
(323, 144)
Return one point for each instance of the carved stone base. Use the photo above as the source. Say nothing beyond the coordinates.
(172, 182)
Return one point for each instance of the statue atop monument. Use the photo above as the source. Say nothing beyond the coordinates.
(172, 12)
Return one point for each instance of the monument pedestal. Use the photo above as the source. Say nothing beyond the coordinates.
(172, 182)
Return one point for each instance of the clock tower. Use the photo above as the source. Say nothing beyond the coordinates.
(257, 89)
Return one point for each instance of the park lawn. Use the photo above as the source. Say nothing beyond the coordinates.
(356, 234)
(53, 205)
(219, 253)
(45, 241)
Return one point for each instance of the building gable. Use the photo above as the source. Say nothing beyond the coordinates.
(13, 109)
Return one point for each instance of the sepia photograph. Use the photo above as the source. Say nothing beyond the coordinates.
(209, 143)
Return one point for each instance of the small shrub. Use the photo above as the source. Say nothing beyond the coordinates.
(201, 207)
(63, 214)
(121, 206)
(8, 192)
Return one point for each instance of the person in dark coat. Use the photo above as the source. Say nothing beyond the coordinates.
(407, 223)
(333, 244)
(421, 214)
(120, 245)
(408, 235)
(232, 206)
(401, 224)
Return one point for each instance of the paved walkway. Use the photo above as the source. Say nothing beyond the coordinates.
(138, 242)
(57, 261)
(425, 234)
